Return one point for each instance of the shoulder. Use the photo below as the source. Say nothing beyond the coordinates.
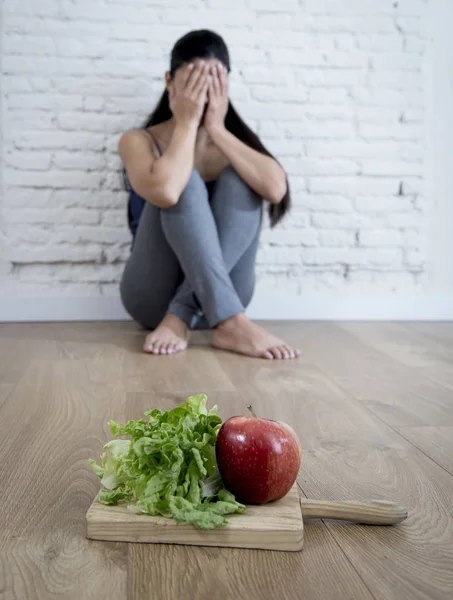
(136, 140)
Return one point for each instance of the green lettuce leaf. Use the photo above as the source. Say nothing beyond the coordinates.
(167, 466)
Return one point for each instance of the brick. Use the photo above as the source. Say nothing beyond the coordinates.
(396, 62)
(313, 166)
(117, 253)
(313, 129)
(89, 161)
(55, 179)
(392, 42)
(352, 256)
(407, 219)
(385, 204)
(381, 238)
(343, 78)
(324, 203)
(45, 101)
(22, 120)
(93, 103)
(55, 254)
(399, 169)
(402, 80)
(299, 237)
(413, 185)
(278, 256)
(330, 96)
(400, 131)
(46, 8)
(348, 221)
(32, 161)
(27, 197)
(67, 140)
(279, 94)
(114, 218)
(352, 186)
(36, 45)
(336, 238)
(411, 24)
(51, 217)
(99, 199)
(87, 235)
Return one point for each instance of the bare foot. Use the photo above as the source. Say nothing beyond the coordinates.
(239, 334)
(169, 337)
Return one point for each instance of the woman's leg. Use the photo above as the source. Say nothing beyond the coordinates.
(149, 282)
(237, 211)
(191, 231)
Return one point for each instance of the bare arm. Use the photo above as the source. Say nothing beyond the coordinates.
(262, 173)
(161, 181)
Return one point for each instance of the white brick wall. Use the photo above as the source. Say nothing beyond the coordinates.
(334, 87)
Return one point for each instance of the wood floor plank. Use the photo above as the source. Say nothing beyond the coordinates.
(20, 343)
(99, 341)
(399, 395)
(435, 442)
(401, 341)
(322, 414)
(195, 371)
(5, 391)
(410, 561)
(52, 423)
(319, 572)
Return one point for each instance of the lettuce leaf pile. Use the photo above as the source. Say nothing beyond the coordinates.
(168, 466)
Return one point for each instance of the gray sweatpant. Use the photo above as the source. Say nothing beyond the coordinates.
(196, 259)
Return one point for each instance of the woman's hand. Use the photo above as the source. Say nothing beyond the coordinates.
(188, 92)
(217, 99)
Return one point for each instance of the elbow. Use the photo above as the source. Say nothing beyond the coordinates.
(167, 201)
(163, 198)
(277, 191)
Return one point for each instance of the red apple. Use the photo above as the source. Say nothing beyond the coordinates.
(258, 459)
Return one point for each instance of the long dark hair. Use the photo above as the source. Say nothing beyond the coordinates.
(207, 44)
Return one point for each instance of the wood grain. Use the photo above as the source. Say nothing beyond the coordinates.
(319, 572)
(49, 426)
(371, 512)
(274, 526)
(411, 561)
(372, 404)
(397, 394)
(435, 442)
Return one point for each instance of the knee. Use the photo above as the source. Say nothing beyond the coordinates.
(195, 189)
(230, 181)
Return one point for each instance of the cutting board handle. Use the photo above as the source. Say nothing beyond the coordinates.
(374, 512)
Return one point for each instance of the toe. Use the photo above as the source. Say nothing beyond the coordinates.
(289, 352)
(276, 352)
(267, 354)
(148, 347)
(285, 352)
(169, 348)
(156, 347)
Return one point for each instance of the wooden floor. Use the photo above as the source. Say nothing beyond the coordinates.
(372, 404)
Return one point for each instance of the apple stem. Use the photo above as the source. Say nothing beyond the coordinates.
(250, 408)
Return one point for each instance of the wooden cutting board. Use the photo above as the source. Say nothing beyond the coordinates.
(274, 526)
